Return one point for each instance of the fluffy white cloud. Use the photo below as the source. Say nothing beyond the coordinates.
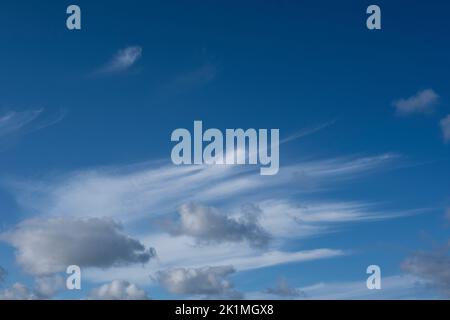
(287, 219)
(209, 225)
(209, 281)
(445, 127)
(46, 246)
(118, 290)
(422, 102)
(152, 190)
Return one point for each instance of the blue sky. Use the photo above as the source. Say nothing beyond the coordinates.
(85, 140)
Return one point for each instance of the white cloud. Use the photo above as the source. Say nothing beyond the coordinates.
(46, 246)
(445, 126)
(209, 281)
(308, 131)
(12, 121)
(209, 225)
(422, 102)
(123, 60)
(275, 257)
(16, 123)
(288, 219)
(153, 191)
(131, 193)
(183, 251)
(118, 290)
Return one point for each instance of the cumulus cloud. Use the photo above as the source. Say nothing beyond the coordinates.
(432, 267)
(138, 192)
(46, 246)
(209, 225)
(445, 127)
(209, 281)
(46, 287)
(118, 290)
(283, 289)
(134, 192)
(17, 291)
(422, 102)
(123, 60)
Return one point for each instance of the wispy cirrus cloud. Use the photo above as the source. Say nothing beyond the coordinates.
(14, 123)
(131, 192)
(308, 131)
(422, 102)
(184, 251)
(229, 216)
(123, 60)
(153, 192)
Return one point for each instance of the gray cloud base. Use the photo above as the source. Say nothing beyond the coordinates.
(208, 281)
(209, 225)
(47, 246)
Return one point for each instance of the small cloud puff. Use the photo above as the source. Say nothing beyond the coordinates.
(422, 102)
(122, 60)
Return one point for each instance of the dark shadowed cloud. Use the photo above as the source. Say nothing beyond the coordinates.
(46, 246)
